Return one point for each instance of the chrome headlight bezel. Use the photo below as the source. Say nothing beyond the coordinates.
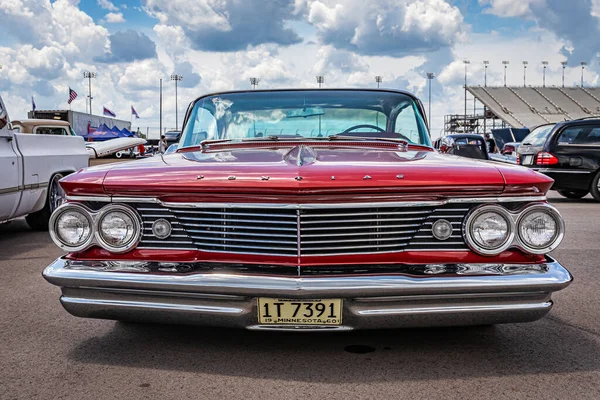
(137, 228)
(560, 228)
(514, 219)
(468, 233)
(95, 219)
(54, 218)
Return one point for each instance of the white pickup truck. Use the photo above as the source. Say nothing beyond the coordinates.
(30, 168)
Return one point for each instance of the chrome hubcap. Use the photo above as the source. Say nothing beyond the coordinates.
(57, 195)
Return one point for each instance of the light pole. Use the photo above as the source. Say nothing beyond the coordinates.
(564, 65)
(378, 79)
(525, 73)
(466, 62)
(160, 118)
(583, 64)
(545, 64)
(176, 78)
(320, 80)
(505, 63)
(89, 76)
(485, 65)
(430, 76)
(254, 82)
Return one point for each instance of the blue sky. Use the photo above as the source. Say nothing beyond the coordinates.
(219, 44)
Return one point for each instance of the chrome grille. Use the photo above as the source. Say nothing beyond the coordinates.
(303, 231)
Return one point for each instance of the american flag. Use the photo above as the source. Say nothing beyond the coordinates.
(32, 104)
(72, 95)
(109, 113)
(133, 112)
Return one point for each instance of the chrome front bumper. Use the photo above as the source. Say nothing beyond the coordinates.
(406, 296)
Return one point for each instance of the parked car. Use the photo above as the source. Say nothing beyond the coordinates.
(308, 210)
(172, 137)
(465, 145)
(569, 153)
(32, 165)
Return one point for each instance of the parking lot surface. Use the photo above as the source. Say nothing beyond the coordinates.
(47, 353)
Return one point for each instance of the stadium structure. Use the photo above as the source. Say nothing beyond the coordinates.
(522, 107)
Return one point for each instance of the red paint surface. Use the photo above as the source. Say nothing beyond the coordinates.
(423, 172)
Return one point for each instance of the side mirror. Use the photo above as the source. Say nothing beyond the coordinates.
(3, 119)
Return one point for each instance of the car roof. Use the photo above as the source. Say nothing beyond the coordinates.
(31, 123)
(398, 91)
(465, 136)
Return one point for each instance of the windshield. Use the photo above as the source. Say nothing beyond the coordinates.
(305, 114)
(538, 136)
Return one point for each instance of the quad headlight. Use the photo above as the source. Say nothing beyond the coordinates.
(489, 230)
(540, 229)
(116, 227)
(536, 229)
(71, 227)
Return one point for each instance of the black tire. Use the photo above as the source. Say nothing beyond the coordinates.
(595, 188)
(573, 194)
(56, 196)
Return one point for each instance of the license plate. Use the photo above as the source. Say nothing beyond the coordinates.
(527, 160)
(299, 312)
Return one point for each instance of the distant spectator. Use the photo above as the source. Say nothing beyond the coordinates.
(162, 144)
(491, 144)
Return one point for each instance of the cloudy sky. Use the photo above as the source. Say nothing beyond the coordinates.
(218, 44)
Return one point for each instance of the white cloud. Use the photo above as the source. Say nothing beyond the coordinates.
(510, 8)
(113, 18)
(107, 5)
(387, 27)
(221, 25)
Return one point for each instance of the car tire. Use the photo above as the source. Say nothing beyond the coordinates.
(55, 198)
(573, 194)
(595, 188)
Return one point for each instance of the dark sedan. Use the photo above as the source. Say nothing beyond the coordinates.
(569, 153)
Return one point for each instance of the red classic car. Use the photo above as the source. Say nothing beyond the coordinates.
(308, 210)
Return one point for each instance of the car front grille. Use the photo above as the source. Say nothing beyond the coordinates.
(297, 231)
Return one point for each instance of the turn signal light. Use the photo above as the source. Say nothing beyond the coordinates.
(518, 160)
(544, 158)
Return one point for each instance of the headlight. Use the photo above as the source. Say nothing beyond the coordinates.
(71, 227)
(118, 228)
(489, 230)
(540, 229)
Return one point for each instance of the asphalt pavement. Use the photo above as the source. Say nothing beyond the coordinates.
(45, 353)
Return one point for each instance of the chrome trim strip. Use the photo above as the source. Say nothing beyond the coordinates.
(564, 171)
(455, 309)
(311, 205)
(153, 305)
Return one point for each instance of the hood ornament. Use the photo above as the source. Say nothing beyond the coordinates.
(400, 176)
(200, 177)
(333, 178)
(298, 178)
(367, 177)
(265, 178)
(231, 177)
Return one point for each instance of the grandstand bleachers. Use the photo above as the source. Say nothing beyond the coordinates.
(533, 106)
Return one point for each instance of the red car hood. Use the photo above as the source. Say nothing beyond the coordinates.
(307, 170)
